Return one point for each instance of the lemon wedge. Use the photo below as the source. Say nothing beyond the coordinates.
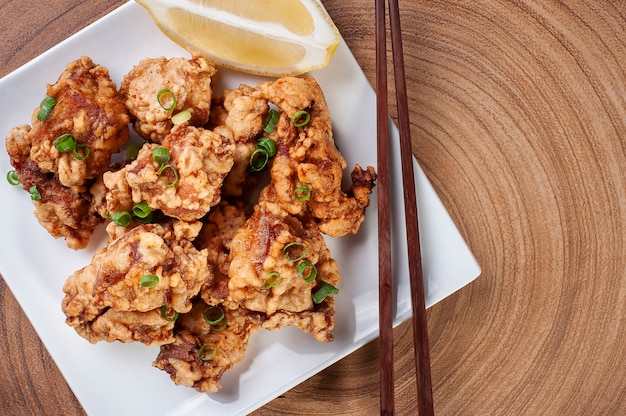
(272, 38)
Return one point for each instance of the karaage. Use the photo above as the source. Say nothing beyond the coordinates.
(158, 88)
(143, 269)
(77, 128)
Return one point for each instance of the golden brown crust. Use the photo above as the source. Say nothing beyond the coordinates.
(189, 80)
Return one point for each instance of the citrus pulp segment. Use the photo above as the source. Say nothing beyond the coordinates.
(273, 38)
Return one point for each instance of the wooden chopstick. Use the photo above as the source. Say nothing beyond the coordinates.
(385, 282)
(418, 300)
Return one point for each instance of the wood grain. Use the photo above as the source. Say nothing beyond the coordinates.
(518, 112)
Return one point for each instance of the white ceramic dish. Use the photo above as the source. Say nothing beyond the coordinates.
(118, 378)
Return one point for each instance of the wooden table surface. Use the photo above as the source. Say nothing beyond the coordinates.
(518, 112)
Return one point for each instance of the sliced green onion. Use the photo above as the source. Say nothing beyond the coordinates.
(146, 220)
(302, 193)
(294, 251)
(207, 352)
(65, 143)
(122, 218)
(45, 108)
(259, 159)
(166, 315)
(132, 151)
(271, 120)
(220, 326)
(301, 118)
(165, 97)
(307, 271)
(81, 151)
(13, 178)
(173, 169)
(149, 280)
(142, 210)
(271, 280)
(324, 290)
(34, 193)
(268, 144)
(180, 118)
(213, 315)
(161, 155)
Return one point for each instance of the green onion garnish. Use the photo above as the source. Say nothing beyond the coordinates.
(259, 159)
(65, 143)
(122, 218)
(221, 326)
(141, 210)
(301, 118)
(272, 279)
(81, 151)
(324, 290)
(149, 280)
(166, 315)
(302, 193)
(34, 193)
(268, 144)
(271, 120)
(213, 315)
(132, 151)
(45, 108)
(13, 178)
(165, 97)
(294, 251)
(307, 271)
(146, 220)
(161, 155)
(207, 352)
(180, 118)
(173, 169)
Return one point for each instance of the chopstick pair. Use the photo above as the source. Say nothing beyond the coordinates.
(418, 302)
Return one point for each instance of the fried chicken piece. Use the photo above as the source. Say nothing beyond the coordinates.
(239, 114)
(273, 243)
(217, 233)
(88, 107)
(62, 211)
(112, 282)
(319, 322)
(149, 328)
(182, 358)
(199, 161)
(307, 156)
(188, 80)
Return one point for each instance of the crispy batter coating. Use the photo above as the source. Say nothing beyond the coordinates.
(62, 211)
(261, 248)
(239, 114)
(189, 80)
(201, 159)
(307, 156)
(149, 328)
(89, 108)
(181, 359)
(112, 280)
(319, 322)
(217, 233)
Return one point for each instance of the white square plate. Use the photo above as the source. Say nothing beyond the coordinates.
(118, 378)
